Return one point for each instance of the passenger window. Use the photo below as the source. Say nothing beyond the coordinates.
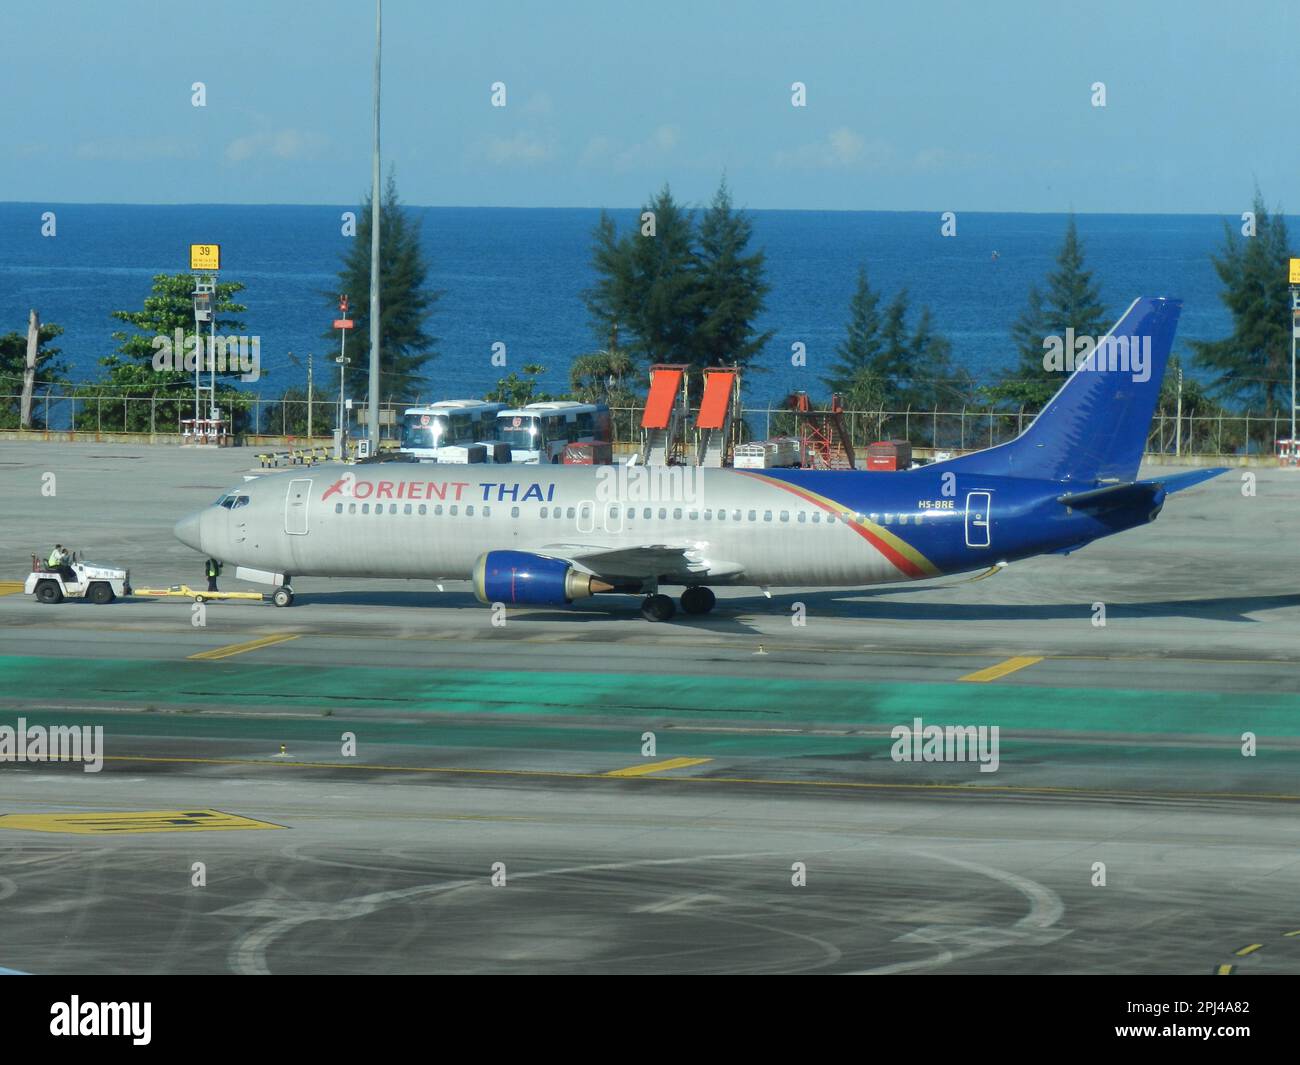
(694, 515)
(406, 509)
(469, 511)
(572, 513)
(648, 513)
(453, 510)
(817, 517)
(874, 517)
(830, 519)
(767, 515)
(487, 512)
(889, 519)
(785, 515)
(803, 517)
(424, 509)
(753, 515)
(708, 515)
(722, 515)
(365, 508)
(352, 508)
(392, 508)
(902, 519)
(663, 513)
(514, 512)
(677, 513)
(437, 507)
(544, 513)
(338, 508)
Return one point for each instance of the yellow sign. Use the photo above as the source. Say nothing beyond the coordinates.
(205, 257)
(118, 823)
(1294, 273)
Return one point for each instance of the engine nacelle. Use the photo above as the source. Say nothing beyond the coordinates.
(518, 578)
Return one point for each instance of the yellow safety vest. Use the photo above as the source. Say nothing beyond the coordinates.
(54, 560)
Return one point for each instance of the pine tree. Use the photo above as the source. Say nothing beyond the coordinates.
(405, 301)
(1252, 366)
(731, 286)
(679, 296)
(1072, 302)
(857, 352)
(883, 364)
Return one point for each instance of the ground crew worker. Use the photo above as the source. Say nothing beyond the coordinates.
(58, 563)
(213, 571)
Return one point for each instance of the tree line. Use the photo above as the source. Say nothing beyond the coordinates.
(686, 286)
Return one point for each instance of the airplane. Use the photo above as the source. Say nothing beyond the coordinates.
(549, 536)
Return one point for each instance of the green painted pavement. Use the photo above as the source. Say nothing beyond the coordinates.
(237, 685)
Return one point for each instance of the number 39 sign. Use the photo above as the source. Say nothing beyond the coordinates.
(205, 257)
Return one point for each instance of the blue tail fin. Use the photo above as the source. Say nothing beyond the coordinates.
(1095, 428)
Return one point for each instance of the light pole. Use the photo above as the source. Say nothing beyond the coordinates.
(375, 212)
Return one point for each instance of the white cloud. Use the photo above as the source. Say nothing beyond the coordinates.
(523, 149)
(606, 153)
(284, 144)
(842, 148)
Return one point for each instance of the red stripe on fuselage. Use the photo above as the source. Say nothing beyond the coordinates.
(901, 562)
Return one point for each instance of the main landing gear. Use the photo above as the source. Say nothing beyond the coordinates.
(695, 600)
(698, 600)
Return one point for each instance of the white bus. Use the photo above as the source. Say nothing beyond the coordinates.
(539, 432)
(442, 431)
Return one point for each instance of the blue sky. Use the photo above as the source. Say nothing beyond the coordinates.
(925, 106)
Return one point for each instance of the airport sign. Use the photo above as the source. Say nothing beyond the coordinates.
(205, 257)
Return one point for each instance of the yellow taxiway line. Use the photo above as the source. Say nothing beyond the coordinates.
(983, 676)
(240, 648)
(10, 587)
(656, 767)
(1248, 950)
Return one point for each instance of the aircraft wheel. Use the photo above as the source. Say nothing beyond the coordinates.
(282, 597)
(48, 592)
(698, 600)
(657, 608)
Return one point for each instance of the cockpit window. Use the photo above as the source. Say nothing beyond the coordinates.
(233, 501)
(241, 501)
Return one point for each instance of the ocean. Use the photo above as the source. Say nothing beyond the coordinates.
(516, 276)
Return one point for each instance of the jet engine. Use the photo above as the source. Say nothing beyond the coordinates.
(524, 579)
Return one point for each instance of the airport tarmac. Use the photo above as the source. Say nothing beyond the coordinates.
(523, 745)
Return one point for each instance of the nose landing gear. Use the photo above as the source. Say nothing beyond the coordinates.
(283, 596)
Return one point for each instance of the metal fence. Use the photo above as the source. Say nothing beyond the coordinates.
(957, 430)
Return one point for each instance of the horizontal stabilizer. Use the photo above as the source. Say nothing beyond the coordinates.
(1179, 481)
(1129, 494)
(1136, 493)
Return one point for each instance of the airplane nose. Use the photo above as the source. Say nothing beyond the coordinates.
(187, 530)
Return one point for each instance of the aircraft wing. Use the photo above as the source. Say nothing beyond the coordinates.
(644, 560)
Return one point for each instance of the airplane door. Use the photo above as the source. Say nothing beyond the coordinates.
(978, 505)
(295, 507)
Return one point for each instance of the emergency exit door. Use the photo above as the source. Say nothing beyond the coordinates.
(978, 505)
(295, 507)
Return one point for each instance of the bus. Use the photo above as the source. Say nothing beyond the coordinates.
(539, 432)
(440, 432)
